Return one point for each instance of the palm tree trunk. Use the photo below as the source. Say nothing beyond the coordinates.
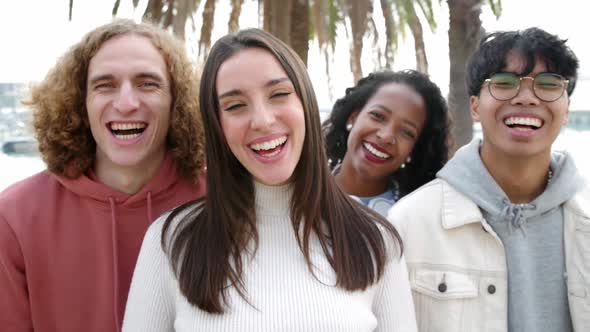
(179, 22)
(279, 19)
(390, 33)
(289, 21)
(234, 18)
(420, 49)
(300, 28)
(358, 12)
(465, 32)
(207, 28)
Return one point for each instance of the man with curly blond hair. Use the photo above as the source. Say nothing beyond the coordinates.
(118, 125)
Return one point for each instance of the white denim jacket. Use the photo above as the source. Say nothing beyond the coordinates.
(457, 264)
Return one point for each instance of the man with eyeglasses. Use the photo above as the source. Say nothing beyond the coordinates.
(500, 241)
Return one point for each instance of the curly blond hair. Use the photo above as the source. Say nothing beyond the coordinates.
(60, 118)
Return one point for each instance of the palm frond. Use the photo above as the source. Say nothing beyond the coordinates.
(496, 6)
(116, 7)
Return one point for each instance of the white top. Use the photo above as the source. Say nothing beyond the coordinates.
(283, 293)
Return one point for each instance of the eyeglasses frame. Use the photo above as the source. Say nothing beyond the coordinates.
(520, 78)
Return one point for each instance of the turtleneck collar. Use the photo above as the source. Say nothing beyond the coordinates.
(273, 200)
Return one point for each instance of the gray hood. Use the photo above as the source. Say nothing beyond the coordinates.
(467, 174)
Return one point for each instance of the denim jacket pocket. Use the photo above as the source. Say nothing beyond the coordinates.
(441, 299)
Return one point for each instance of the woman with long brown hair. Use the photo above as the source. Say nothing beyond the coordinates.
(275, 245)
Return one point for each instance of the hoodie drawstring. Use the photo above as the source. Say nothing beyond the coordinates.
(115, 262)
(149, 208)
(513, 213)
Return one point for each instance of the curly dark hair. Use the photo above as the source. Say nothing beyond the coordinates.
(432, 148)
(60, 117)
(532, 44)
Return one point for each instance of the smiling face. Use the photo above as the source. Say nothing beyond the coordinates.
(261, 115)
(523, 126)
(383, 134)
(128, 101)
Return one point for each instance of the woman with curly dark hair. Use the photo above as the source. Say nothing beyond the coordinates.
(387, 136)
(118, 126)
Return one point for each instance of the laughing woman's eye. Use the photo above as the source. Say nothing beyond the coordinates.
(408, 133)
(280, 94)
(377, 116)
(232, 107)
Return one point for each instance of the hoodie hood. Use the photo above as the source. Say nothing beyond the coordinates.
(467, 174)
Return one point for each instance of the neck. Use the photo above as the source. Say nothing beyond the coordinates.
(127, 179)
(353, 183)
(521, 179)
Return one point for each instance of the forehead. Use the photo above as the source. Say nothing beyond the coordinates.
(395, 93)
(518, 63)
(247, 69)
(127, 53)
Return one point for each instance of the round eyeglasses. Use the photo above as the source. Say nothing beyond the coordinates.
(547, 87)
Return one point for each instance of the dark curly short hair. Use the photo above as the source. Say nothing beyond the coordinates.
(60, 117)
(532, 44)
(432, 148)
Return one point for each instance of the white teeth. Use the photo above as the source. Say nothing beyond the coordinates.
(376, 152)
(129, 136)
(269, 145)
(533, 122)
(127, 126)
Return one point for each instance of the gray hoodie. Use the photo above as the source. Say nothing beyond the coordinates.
(532, 235)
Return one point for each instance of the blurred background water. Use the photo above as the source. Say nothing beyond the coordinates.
(15, 167)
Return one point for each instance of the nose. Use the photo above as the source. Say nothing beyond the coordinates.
(126, 99)
(526, 94)
(386, 135)
(262, 116)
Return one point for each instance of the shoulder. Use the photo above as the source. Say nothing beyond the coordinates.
(421, 198)
(421, 208)
(580, 203)
(29, 186)
(172, 221)
(27, 192)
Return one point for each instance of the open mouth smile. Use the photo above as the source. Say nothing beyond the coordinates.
(269, 148)
(523, 123)
(127, 130)
(375, 152)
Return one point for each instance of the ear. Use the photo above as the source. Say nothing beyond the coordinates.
(474, 108)
(352, 118)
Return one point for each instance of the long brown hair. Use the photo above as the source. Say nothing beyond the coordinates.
(207, 246)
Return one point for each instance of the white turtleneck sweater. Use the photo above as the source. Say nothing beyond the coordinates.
(283, 294)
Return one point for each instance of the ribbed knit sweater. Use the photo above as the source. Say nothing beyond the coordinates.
(283, 294)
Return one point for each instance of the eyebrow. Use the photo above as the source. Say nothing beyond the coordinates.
(383, 107)
(236, 92)
(142, 75)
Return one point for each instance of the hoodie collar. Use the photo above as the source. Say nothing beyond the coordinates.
(470, 189)
(85, 186)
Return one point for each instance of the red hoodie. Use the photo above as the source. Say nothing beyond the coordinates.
(68, 248)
